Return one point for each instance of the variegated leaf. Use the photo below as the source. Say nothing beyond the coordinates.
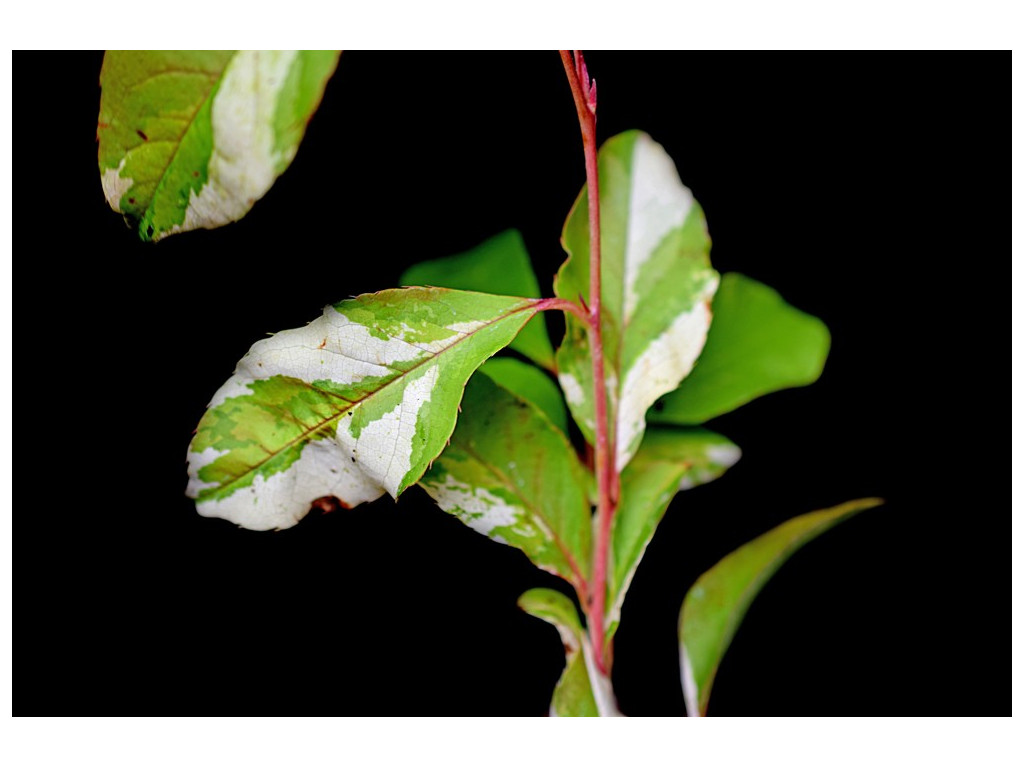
(757, 344)
(656, 288)
(718, 601)
(499, 265)
(669, 460)
(356, 403)
(510, 474)
(581, 691)
(192, 139)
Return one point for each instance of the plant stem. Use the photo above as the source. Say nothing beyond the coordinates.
(584, 93)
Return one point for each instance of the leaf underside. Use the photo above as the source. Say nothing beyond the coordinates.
(192, 139)
(354, 404)
(717, 602)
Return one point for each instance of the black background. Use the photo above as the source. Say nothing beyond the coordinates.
(870, 190)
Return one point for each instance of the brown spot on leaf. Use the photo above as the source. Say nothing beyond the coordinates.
(142, 136)
(131, 201)
(195, 174)
(322, 344)
(328, 504)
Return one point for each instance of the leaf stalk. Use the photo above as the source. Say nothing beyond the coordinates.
(584, 92)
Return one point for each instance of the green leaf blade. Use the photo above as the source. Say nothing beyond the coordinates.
(512, 475)
(500, 265)
(355, 404)
(531, 384)
(191, 139)
(757, 344)
(718, 601)
(669, 460)
(657, 286)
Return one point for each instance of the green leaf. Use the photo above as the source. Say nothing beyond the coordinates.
(669, 460)
(574, 692)
(510, 474)
(718, 601)
(192, 139)
(356, 403)
(757, 344)
(499, 265)
(656, 288)
(532, 384)
(556, 609)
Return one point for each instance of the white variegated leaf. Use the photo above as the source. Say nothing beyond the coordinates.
(657, 286)
(192, 139)
(353, 405)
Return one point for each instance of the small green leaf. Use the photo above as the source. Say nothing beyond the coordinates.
(356, 403)
(556, 609)
(510, 474)
(718, 601)
(669, 460)
(757, 344)
(192, 139)
(499, 265)
(656, 288)
(574, 693)
(532, 384)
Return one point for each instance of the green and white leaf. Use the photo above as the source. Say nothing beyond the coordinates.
(510, 474)
(757, 344)
(656, 288)
(581, 691)
(669, 460)
(192, 139)
(356, 403)
(718, 601)
(499, 265)
(531, 384)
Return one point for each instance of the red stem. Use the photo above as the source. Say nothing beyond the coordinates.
(584, 93)
(564, 305)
